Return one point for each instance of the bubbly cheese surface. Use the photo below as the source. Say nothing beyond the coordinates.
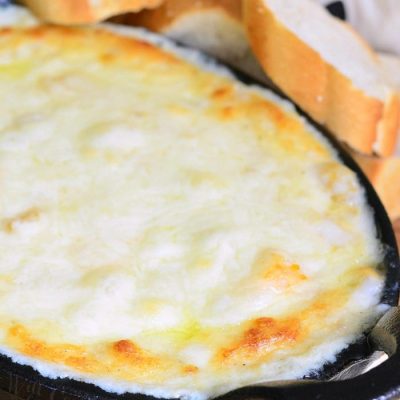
(165, 229)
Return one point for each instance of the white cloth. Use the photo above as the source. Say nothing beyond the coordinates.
(378, 21)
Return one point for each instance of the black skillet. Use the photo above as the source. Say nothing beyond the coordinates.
(19, 382)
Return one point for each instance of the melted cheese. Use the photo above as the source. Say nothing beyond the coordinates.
(165, 229)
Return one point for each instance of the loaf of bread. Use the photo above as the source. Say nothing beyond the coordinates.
(70, 12)
(327, 69)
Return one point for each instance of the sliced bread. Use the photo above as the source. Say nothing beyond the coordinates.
(384, 173)
(212, 26)
(70, 12)
(327, 69)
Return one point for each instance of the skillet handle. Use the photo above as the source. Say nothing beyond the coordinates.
(386, 333)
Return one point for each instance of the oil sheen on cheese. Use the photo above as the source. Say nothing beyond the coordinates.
(165, 229)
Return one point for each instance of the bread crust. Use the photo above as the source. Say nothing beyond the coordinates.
(366, 124)
(70, 12)
(384, 174)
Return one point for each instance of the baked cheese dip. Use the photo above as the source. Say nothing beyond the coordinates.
(165, 229)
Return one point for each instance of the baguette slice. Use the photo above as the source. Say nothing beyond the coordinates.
(212, 26)
(70, 12)
(327, 69)
(384, 173)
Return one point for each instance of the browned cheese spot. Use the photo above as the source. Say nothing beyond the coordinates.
(221, 93)
(278, 272)
(190, 369)
(260, 339)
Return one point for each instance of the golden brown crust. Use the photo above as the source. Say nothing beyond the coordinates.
(68, 12)
(123, 359)
(171, 10)
(365, 123)
(261, 337)
(390, 122)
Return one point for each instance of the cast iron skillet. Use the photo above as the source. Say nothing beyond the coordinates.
(383, 383)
